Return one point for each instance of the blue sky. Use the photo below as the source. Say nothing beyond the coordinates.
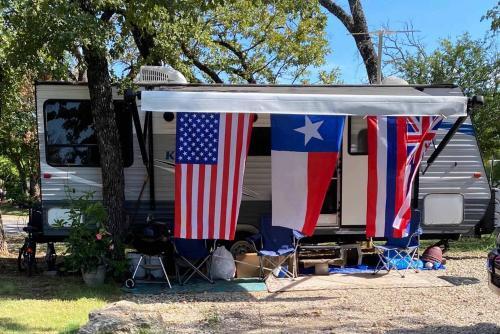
(435, 19)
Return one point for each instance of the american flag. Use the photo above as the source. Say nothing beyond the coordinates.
(421, 131)
(211, 151)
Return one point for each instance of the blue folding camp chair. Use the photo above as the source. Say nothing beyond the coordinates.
(401, 254)
(276, 245)
(192, 255)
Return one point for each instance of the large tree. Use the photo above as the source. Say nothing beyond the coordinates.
(226, 44)
(62, 31)
(95, 53)
(208, 41)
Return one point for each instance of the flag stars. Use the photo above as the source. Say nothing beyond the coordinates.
(310, 130)
(198, 136)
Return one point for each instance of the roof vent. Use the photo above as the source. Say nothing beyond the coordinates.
(157, 75)
(392, 80)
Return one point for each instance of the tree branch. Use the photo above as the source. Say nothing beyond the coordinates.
(356, 25)
(339, 12)
(246, 74)
(202, 67)
(145, 43)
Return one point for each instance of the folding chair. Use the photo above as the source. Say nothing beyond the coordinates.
(401, 254)
(193, 254)
(277, 245)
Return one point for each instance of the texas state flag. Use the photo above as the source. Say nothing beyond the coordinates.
(304, 154)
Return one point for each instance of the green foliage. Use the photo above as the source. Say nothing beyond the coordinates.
(494, 15)
(474, 65)
(9, 180)
(228, 44)
(89, 243)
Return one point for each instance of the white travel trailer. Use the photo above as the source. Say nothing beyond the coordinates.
(69, 157)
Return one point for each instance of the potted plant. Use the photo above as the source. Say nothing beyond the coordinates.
(89, 244)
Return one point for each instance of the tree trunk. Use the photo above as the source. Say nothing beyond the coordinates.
(34, 189)
(145, 44)
(364, 41)
(356, 25)
(101, 103)
(3, 239)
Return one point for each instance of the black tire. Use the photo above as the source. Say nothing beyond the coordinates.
(241, 247)
(130, 283)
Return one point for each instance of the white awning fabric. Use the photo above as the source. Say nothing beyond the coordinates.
(321, 100)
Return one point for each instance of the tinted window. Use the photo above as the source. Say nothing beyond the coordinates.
(260, 142)
(358, 135)
(70, 135)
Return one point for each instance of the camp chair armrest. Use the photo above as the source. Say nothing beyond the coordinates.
(298, 235)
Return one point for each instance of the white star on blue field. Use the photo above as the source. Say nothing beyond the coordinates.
(198, 138)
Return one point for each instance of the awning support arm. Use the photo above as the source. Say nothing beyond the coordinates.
(151, 167)
(129, 97)
(475, 101)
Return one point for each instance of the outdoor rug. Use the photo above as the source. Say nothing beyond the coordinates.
(199, 286)
(355, 281)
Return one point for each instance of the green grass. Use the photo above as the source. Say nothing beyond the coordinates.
(45, 316)
(42, 304)
(467, 244)
(9, 209)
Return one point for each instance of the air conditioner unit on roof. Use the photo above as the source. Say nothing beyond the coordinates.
(159, 75)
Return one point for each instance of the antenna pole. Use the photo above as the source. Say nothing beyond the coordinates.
(380, 33)
(379, 58)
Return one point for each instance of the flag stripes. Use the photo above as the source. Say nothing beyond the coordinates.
(396, 146)
(208, 191)
(386, 173)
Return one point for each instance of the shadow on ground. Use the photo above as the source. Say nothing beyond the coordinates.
(483, 328)
(17, 285)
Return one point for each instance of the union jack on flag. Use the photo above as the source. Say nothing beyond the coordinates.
(421, 131)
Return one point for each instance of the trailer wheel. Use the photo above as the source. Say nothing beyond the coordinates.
(241, 247)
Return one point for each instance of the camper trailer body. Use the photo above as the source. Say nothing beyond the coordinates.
(69, 166)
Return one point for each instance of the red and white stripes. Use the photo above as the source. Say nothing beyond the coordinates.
(208, 196)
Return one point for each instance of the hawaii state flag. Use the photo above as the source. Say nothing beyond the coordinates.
(304, 151)
(421, 131)
(396, 146)
(387, 158)
(210, 155)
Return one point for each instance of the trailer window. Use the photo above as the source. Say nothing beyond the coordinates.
(70, 137)
(260, 142)
(358, 136)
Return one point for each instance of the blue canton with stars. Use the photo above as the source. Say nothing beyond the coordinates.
(197, 138)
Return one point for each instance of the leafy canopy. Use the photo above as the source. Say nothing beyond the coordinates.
(474, 65)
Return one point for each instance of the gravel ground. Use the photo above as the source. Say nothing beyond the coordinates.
(469, 308)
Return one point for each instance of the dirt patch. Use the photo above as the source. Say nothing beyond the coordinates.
(464, 308)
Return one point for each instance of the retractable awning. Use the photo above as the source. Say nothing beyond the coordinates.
(316, 100)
